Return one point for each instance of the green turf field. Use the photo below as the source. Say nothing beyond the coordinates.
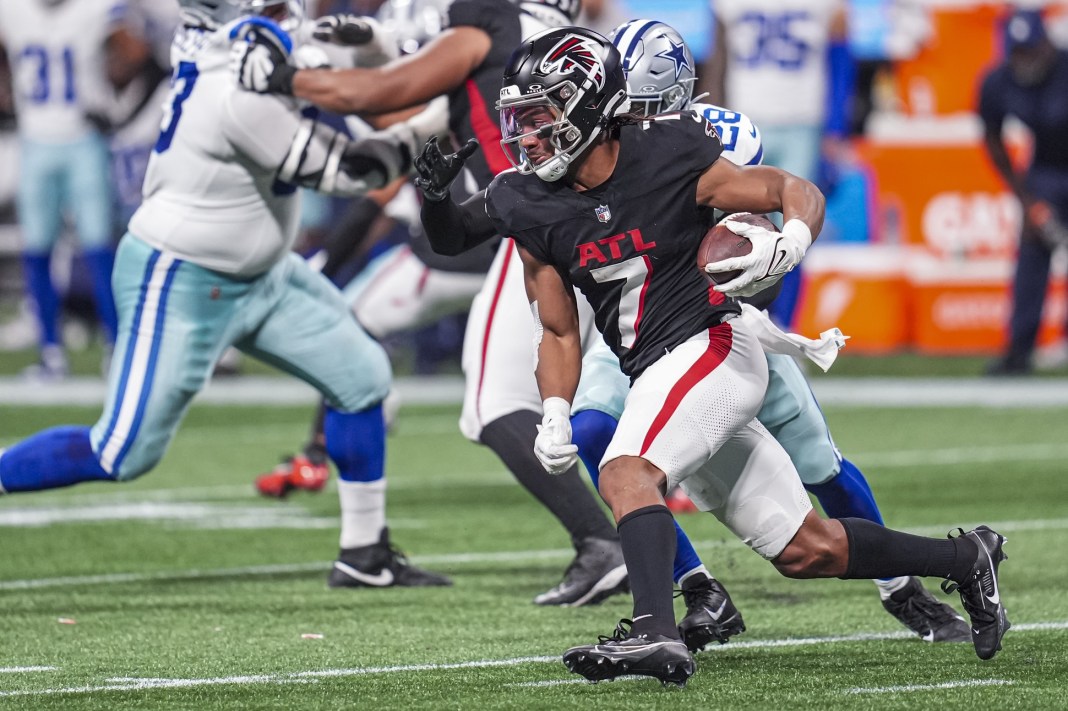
(186, 591)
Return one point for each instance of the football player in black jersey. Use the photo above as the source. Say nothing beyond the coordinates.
(465, 62)
(617, 207)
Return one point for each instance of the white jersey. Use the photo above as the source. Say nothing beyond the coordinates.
(210, 194)
(57, 57)
(777, 58)
(739, 135)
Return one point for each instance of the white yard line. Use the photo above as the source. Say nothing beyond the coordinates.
(439, 559)
(144, 684)
(24, 670)
(884, 460)
(963, 683)
(448, 390)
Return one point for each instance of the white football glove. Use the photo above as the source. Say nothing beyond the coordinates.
(553, 445)
(774, 254)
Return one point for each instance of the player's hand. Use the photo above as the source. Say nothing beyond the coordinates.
(553, 446)
(345, 30)
(436, 170)
(259, 58)
(773, 255)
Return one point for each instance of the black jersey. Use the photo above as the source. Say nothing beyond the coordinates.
(630, 244)
(472, 112)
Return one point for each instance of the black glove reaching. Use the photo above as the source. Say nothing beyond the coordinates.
(345, 30)
(437, 170)
(261, 63)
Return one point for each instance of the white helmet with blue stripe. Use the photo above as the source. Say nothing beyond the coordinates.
(213, 14)
(659, 66)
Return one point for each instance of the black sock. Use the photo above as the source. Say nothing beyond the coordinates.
(648, 539)
(567, 496)
(878, 552)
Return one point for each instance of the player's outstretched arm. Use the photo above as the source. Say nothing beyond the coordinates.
(304, 151)
(762, 189)
(440, 66)
(450, 228)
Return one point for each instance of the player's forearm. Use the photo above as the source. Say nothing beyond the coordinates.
(453, 229)
(559, 365)
(801, 200)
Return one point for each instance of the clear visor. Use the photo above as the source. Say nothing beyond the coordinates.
(535, 130)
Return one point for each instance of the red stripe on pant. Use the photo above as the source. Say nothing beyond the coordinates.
(720, 339)
(507, 244)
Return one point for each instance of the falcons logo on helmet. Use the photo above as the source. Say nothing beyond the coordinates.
(575, 52)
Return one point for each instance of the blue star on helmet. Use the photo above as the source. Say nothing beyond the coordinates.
(677, 54)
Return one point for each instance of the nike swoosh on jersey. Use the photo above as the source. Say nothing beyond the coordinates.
(381, 579)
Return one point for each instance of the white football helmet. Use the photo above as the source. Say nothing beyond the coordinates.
(213, 14)
(412, 23)
(658, 65)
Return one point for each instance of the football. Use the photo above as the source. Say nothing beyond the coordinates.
(720, 243)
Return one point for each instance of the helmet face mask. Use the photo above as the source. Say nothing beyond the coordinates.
(658, 66)
(538, 121)
(213, 14)
(573, 74)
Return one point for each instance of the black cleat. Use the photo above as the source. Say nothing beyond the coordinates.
(933, 620)
(596, 573)
(710, 614)
(380, 565)
(980, 593)
(660, 657)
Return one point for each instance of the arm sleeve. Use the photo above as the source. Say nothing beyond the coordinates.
(305, 151)
(452, 229)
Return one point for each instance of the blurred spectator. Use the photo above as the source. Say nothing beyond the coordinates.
(1031, 84)
(785, 63)
(56, 49)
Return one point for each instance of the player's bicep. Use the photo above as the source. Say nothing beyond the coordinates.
(732, 188)
(551, 300)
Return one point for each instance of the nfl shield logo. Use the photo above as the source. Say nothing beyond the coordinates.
(603, 213)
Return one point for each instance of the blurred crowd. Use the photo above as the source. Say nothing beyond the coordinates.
(813, 74)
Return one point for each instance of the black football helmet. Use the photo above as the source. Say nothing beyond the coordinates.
(577, 76)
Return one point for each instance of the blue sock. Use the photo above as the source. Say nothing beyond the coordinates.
(50, 459)
(847, 495)
(35, 267)
(356, 442)
(591, 431)
(100, 263)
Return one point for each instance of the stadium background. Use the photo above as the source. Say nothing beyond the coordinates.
(918, 249)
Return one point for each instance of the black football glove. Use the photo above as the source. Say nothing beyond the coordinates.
(437, 170)
(345, 30)
(261, 60)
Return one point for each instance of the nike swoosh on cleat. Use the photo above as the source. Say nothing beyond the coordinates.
(382, 579)
(718, 613)
(929, 636)
(994, 599)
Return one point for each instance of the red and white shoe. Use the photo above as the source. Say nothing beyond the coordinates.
(307, 471)
(678, 502)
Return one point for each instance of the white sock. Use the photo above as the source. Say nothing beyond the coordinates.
(363, 512)
(891, 586)
(701, 569)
